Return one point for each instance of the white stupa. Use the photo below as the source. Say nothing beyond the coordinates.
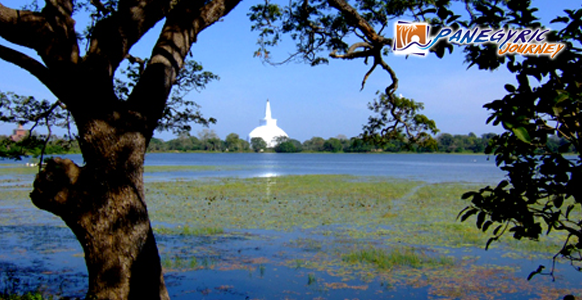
(268, 129)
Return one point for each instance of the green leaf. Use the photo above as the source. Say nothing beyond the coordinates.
(443, 13)
(468, 214)
(486, 225)
(481, 219)
(522, 134)
(496, 231)
(428, 11)
(495, 238)
(508, 125)
(562, 96)
(560, 20)
(510, 88)
(569, 210)
(558, 201)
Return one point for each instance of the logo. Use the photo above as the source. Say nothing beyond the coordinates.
(410, 38)
(413, 38)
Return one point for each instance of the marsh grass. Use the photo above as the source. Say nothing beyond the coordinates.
(17, 209)
(311, 279)
(429, 217)
(12, 195)
(26, 296)
(358, 207)
(187, 230)
(396, 257)
(180, 263)
(17, 170)
(13, 288)
(374, 208)
(282, 203)
(307, 244)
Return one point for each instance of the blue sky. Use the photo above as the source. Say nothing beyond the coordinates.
(309, 101)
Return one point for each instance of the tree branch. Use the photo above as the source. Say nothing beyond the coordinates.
(51, 33)
(351, 53)
(134, 59)
(394, 86)
(180, 31)
(33, 66)
(112, 37)
(100, 7)
(356, 20)
(24, 28)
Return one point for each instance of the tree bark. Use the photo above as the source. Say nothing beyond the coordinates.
(103, 203)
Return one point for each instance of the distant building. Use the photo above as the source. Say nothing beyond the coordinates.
(268, 129)
(19, 133)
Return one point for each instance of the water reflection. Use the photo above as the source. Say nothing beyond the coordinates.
(268, 175)
(425, 167)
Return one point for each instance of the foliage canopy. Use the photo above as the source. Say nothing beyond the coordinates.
(541, 192)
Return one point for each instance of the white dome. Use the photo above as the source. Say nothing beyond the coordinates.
(268, 129)
(268, 134)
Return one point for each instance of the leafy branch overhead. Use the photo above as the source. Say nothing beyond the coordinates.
(399, 120)
(105, 45)
(179, 113)
(336, 29)
(23, 110)
(541, 192)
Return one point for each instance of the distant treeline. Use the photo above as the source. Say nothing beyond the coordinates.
(34, 145)
(208, 141)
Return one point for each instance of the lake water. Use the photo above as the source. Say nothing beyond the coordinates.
(269, 264)
(425, 167)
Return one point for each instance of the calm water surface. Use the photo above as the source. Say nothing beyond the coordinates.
(425, 167)
(255, 264)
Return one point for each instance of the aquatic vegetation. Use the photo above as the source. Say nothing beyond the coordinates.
(27, 296)
(178, 263)
(282, 203)
(13, 288)
(18, 169)
(298, 263)
(357, 207)
(11, 194)
(307, 244)
(187, 230)
(396, 257)
(327, 233)
(429, 217)
(17, 209)
(311, 279)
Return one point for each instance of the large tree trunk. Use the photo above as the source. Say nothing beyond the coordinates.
(103, 203)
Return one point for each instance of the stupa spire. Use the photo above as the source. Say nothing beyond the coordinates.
(268, 111)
